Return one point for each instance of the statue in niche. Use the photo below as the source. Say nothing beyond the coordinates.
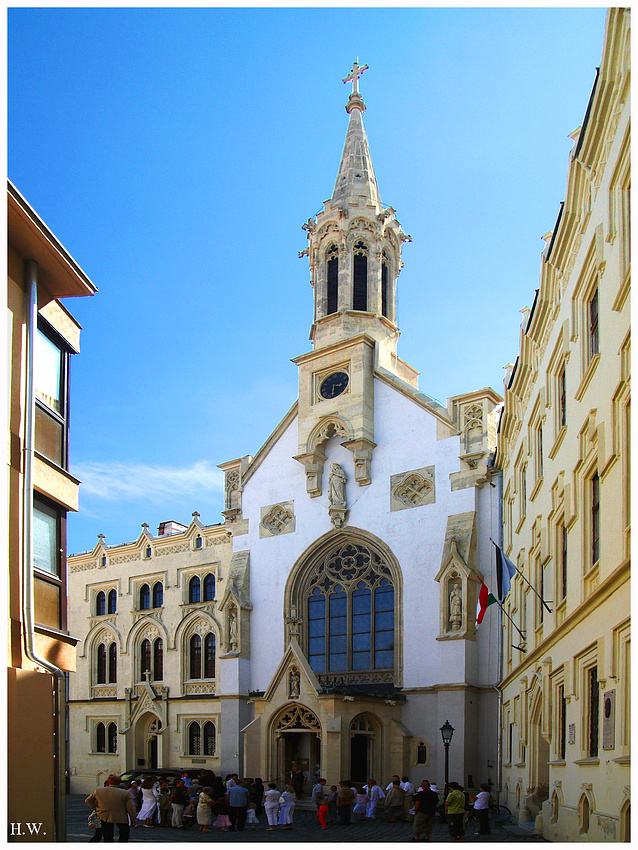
(456, 607)
(294, 681)
(337, 487)
(232, 630)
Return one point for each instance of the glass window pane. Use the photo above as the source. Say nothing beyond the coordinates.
(361, 642)
(361, 601)
(383, 660)
(338, 626)
(47, 366)
(318, 663)
(316, 628)
(338, 643)
(338, 662)
(45, 538)
(361, 623)
(360, 660)
(338, 605)
(317, 645)
(384, 640)
(384, 599)
(49, 435)
(316, 607)
(384, 620)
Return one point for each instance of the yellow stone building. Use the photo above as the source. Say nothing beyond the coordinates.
(564, 444)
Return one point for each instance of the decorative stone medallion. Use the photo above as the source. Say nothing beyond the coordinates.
(277, 519)
(412, 489)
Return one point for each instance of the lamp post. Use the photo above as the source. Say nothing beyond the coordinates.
(447, 730)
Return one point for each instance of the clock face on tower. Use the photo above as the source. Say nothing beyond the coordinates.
(333, 385)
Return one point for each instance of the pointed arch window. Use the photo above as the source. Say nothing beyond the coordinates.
(158, 594)
(332, 279)
(111, 605)
(209, 739)
(145, 597)
(112, 663)
(158, 660)
(350, 604)
(100, 603)
(112, 738)
(101, 664)
(195, 657)
(145, 658)
(385, 283)
(194, 739)
(194, 590)
(209, 656)
(198, 542)
(360, 277)
(100, 738)
(209, 588)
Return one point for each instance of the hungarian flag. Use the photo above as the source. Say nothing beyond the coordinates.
(485, 599)
(505, 572)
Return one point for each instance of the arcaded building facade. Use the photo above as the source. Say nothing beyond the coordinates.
(563, 446)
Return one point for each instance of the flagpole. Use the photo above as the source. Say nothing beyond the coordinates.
(520, 573)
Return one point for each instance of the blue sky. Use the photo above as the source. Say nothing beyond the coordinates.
(177, 152)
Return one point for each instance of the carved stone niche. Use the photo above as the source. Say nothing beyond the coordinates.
(412, 489)
(233, 471)
(277, 519)
(459, 587)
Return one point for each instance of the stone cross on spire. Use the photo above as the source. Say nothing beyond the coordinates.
(354, 75)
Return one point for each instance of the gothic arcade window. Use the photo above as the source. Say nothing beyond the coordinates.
(194, 590)
(105, 738)
(385, 278)
(332, 279)
(158, 660)
(198, 542)
(202, 657)
(145, 659)
(209, 588)
(100, 603)
(145, 597)
(101, 664)
(201, 739)
(360, 276)
(111, 605)
(158, 594)
(112, 663)
(351, 613)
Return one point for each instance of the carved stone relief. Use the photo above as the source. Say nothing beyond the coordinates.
(294, 683)
(412, 489)
(277, 519)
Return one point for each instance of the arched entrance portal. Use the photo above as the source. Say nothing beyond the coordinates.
(364, 748)
(146, 741)
(297, 734)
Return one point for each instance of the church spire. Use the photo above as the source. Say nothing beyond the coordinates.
(356, 180)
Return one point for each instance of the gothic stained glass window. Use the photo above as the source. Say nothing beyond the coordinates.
(195, 657)
(158, 594)
(209, 588)
(101, 664)
(112, 663)
(209, 656)
(209, 739)
(145, 658)
(350, 605)
(158, 660)
(194, 589)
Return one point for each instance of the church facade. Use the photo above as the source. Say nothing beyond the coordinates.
(347, 568)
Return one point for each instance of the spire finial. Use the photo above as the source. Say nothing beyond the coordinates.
(354, 75)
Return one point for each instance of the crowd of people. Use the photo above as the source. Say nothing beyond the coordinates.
(233, 804)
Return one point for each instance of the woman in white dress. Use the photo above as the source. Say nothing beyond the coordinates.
(150, 798)
(271, 805)
(375, 795)
(287, 807)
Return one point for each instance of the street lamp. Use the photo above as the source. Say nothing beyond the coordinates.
(447, 730)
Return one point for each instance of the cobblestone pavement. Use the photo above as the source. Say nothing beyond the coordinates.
(305, 829)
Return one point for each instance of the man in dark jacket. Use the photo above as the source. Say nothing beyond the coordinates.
(179, 800)
(425, 804)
